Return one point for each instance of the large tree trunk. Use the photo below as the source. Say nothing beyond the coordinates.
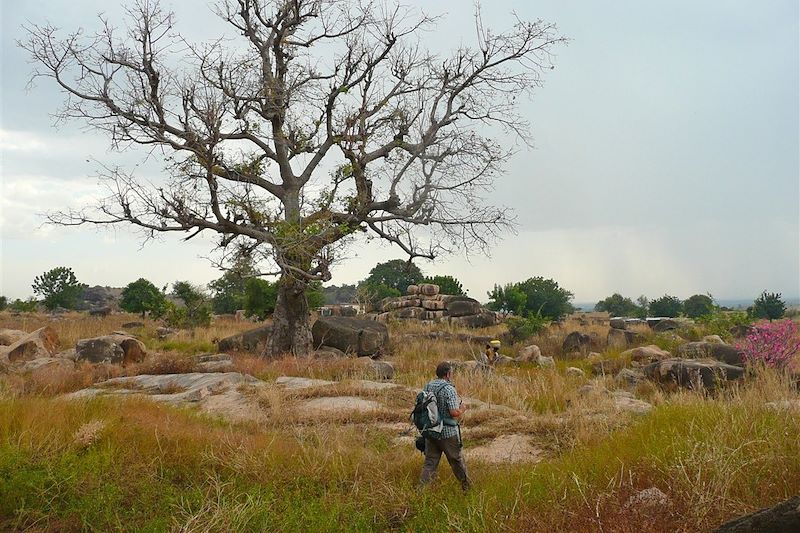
(291, 327)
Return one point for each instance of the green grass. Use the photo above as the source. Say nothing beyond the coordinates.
(155, 468)
(148, 467)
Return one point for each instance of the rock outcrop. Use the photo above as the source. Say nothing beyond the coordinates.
(41, 343)
(114, 349)
(721, 352)
(252, 340)
(350, 335)
(424, 302)
(692, 373)
(782, 518)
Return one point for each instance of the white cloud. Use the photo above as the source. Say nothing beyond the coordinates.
(25, 199)
(20, 141)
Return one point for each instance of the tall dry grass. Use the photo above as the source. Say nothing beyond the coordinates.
(160, 468)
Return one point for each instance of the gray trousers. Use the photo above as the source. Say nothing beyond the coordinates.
(451, 447)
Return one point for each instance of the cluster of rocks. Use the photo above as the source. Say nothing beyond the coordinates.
(333, 337)
(22, 352)
(424, 302)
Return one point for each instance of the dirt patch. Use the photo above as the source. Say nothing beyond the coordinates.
(506, 449)
(339, 404)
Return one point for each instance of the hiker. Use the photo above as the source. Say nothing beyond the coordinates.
(448, 441)
(492, 351)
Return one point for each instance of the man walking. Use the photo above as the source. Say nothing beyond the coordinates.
(448, 441)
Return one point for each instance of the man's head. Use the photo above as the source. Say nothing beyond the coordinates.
(443, 369)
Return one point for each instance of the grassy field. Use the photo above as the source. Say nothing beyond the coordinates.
(131, 464)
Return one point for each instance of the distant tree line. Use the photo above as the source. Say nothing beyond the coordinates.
(767, 306)
(536, 299)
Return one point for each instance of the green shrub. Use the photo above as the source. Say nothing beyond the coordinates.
(522, 328)
(721, 322)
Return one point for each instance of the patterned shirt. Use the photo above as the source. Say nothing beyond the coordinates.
(446, 400)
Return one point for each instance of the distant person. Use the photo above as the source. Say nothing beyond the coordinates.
(448, 441)
(492, 351)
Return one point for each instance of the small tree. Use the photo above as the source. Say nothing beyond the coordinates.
(196, 310)
(774, 343)
(24, 306)
(618, 305)
(768, 305)
(447, 285)
(508, 298)
(141, 296)
(667, 305)
(698, 305)
(3, 303)
(58, 287)
(230, 290)
(260, 297)
(537, 296)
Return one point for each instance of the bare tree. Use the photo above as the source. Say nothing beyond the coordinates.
(321, 119)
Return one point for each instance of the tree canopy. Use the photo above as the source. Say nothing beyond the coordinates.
(618, 305)
(698, 305)
(533, 297)
(249, 132)
(229, 290)
(58, 287)
(768, 305)
(670, 306)
(447, 284)
(396, 274)
(141, 296)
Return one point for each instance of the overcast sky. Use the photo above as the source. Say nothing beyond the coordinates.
(665, 159)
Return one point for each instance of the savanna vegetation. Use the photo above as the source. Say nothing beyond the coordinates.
(110, 463)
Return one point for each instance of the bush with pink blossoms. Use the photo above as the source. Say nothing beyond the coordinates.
(773, 343)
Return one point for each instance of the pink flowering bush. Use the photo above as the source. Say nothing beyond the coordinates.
(774, 343)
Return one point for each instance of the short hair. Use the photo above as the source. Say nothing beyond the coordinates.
(443, 368)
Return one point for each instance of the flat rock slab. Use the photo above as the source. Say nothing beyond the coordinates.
(339, 404)
(291, 382)
(375, 385)
(190, 381)
(625, 401)
(506, 449)
(215, 393)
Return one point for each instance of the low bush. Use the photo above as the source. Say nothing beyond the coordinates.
(773, 343)
(522, 328)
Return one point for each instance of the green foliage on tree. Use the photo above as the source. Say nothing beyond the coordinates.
(698, 305)
(768, 305)
(24, 306)
(3, 303)
(508, 298)
(396, 274)
(260, 297)
(196, 309)
(229, 291)
(447, 285)
(618, 305)
(58, 288)
(141, 296)
(533, 297)
(315, 295)
(669, 306)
